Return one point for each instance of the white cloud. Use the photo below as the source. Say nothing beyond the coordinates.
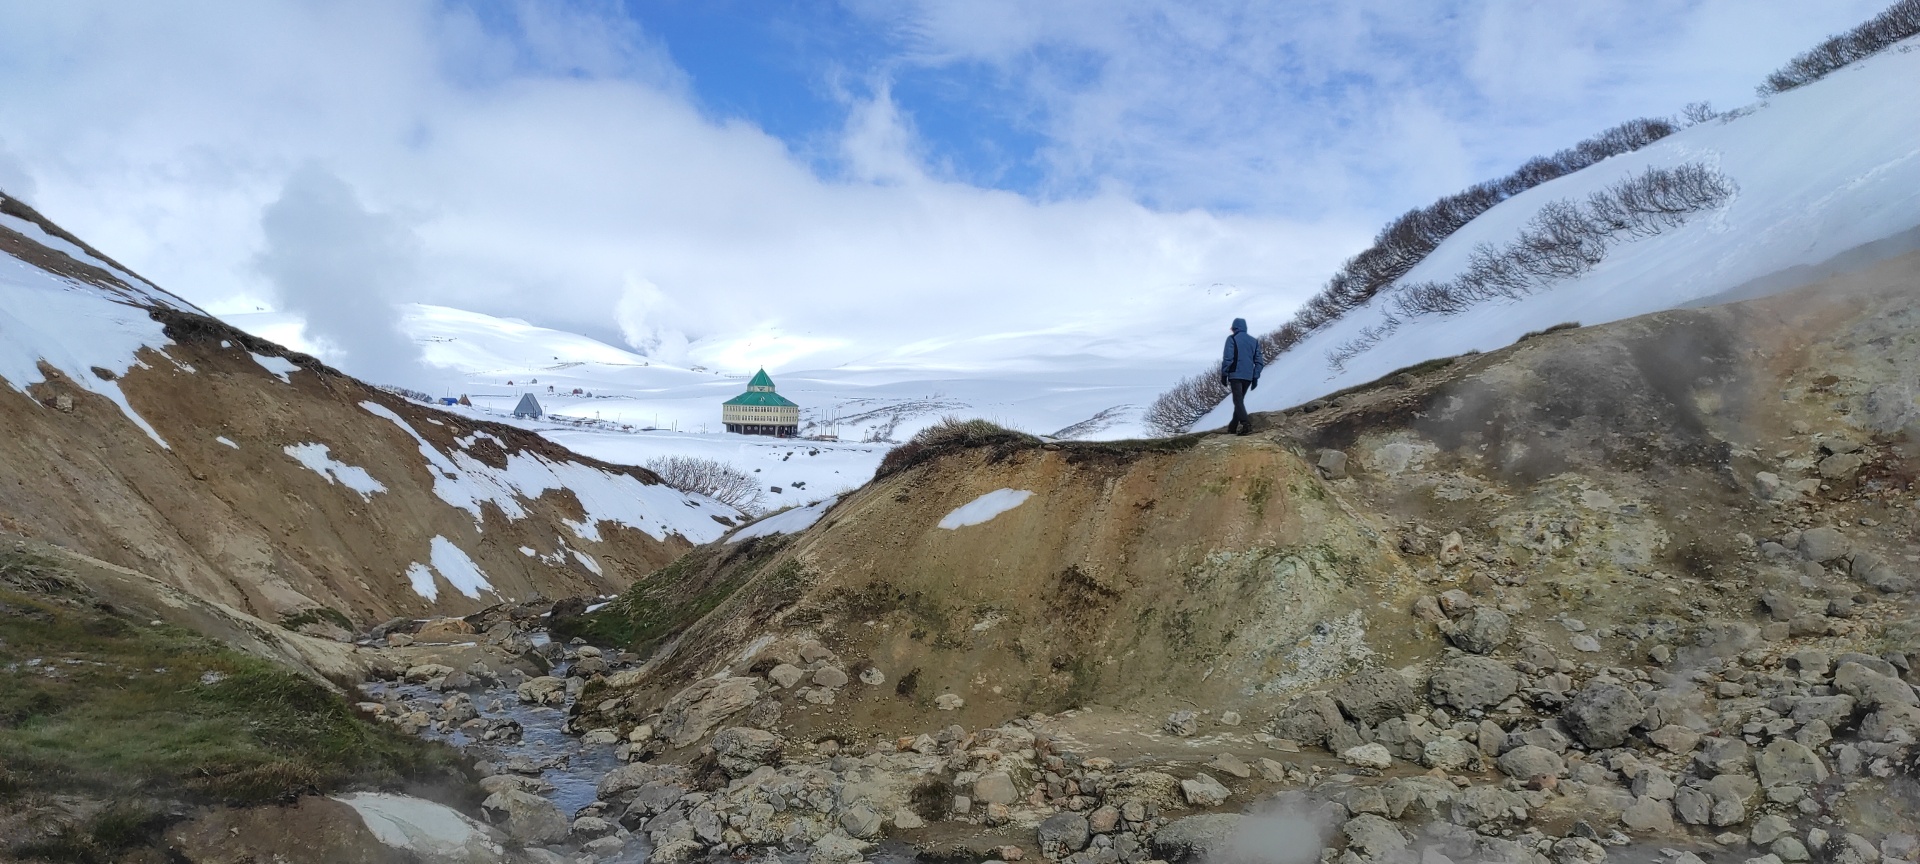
(554, 167)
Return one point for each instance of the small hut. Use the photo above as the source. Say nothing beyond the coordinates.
(760, 411)
(529, 408)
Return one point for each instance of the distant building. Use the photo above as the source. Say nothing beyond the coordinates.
(760, 411)
(529, 407)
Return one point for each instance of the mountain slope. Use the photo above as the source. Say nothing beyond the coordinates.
(144, 433)
(1820, 170)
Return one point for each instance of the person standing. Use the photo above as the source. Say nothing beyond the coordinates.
(1240, 367)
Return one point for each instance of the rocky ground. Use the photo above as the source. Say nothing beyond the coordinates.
(1642, 592)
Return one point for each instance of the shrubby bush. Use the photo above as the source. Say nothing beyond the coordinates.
(713, 478)
(1564, 240)
(1900, 21)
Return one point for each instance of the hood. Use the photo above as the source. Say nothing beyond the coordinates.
(1239, 325)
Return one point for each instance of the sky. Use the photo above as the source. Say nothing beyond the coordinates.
(960, 185)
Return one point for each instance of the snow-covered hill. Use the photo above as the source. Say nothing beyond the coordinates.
(1821, 170)
(136, 429)
(629, 409)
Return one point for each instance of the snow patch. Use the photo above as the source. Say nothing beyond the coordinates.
(659, 510)
(587, 562)
(432, 832)
(73, 328)
(790, 522)
(227, 441)
(278, 367)
(985, 507)
(459, 570)
(316, 457)
(421, 576)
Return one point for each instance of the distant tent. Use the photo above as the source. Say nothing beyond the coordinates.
(528, 407)
(464, 401)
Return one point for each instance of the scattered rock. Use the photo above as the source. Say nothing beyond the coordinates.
(1375, 695)
(1601, 715)
(1204, 791)
(785, 675)
(1527, 762)
(527, 818)
(1472, 682)
(1196, 838)
(740, 749)
(1821, 545)
(1481, 630)
(1367, 756)
(949, 702)
(995, 787)
(1063, 834)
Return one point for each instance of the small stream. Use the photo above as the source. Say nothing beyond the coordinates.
(573, 769)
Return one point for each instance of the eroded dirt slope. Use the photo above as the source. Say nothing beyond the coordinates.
(271, 483)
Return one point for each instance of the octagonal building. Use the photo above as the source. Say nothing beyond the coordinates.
(760, 411)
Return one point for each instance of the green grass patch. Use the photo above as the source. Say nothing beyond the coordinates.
(94, 703)
(673, 597)
(317, 615)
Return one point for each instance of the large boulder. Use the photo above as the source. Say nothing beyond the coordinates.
(1788, 763)
(544, 690)
(1375, 695)
(1527, 762)
(691, 713)
(527, 818)
(1373, 838)
(1063, 834)
(1195, 838)
(1309, 720)
(1481, 630)
(1871, 687)
(1472, 682)
(1601, 715)
(1823, 544)
(740, 749)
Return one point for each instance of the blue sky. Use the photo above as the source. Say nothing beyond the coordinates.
(932, 183)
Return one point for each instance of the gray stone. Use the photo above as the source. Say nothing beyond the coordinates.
(1374, 695)
(676, 852)
(1481, 630)
(1368, 756)
(1731, 794)
(1675, 739)
(995, 787)
(1182, 723)
(1333, 464)
(689, 714)
(1374, 838)
(1104, 820)
(1873, 689)
(1309, 720)
(740, 749)
(1823, 544)
(1648, 814)
(1472, 682)
(1204, 791)
(1787, 763)
(1451, 755)
(1601, 715)
(1721, 755)
(1835, 711)
(1892, 724)
(1230, 764)
(1528, 761)
(861, 821)
(1578, 850)
(544, 690)
(1769, 828)
(836, 847)
(1062, 834)
(1195, 838)
(527, 818)
(786, 675)
(830, 677)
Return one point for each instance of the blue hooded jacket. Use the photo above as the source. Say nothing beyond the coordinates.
(1241, 360)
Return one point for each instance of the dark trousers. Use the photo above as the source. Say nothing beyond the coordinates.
(1241, 424)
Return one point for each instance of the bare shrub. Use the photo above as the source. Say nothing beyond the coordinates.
(1176, 410)
(948, 435)
(713, 478)
(1406, 241)
(1900, 21)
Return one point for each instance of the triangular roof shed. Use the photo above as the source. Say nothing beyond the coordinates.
(528, 407)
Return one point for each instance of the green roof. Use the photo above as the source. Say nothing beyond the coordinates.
(762, 399)
(760, 379)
